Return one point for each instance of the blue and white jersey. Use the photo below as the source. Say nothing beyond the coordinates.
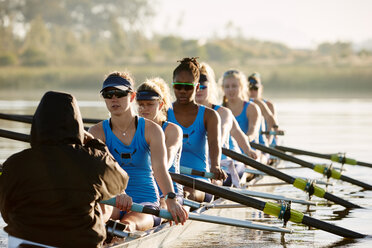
(195, 147)
(135, 159)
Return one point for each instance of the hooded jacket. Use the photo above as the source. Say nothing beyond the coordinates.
(50, 192)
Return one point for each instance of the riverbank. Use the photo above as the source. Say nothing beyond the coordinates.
(279, 80)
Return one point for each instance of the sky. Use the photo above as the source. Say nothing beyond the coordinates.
(297, 23)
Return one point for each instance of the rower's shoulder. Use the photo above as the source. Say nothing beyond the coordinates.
(173, 133)
(270, 105)
(210, 112)
(97, 131)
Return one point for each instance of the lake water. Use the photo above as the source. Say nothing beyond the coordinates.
(319, 125)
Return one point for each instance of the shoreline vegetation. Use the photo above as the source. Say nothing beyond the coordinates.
(67, 46)
(280, 81)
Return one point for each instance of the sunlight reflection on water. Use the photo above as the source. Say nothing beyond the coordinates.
(319, 125)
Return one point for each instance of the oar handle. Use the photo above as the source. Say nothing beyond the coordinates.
(142, 209)
(190, 171)
(279, 132)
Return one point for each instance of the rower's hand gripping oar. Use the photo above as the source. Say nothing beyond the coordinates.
(297, 182)
(337, 157)
(267, 207)
(329, 172)
(202, 217)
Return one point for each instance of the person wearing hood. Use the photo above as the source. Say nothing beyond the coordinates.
(50, 193)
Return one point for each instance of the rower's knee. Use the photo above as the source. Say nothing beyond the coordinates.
(129, 225)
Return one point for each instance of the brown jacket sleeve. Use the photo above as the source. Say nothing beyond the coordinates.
(114, 178)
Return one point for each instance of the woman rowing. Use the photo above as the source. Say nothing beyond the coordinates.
(138, 146)
(247, 113)
(266, 106)
(200, 126)
(153, 99)
(206, 95)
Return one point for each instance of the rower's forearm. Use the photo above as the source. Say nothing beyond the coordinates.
(164, 180)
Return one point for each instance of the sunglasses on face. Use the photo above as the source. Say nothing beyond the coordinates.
(202, 87)
(185, 86)
(108, 94)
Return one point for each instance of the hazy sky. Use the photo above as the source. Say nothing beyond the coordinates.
(297, 23)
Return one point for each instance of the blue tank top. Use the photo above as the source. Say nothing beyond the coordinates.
(175, 168)
(135, 159)
(194, 149)
(242, 118)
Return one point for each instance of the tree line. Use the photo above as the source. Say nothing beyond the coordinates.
(95, 33)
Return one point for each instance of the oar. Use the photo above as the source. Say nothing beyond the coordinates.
(28, 118)
(297, 182)
(203, 217)
(316, 167)
(279, 132)
(267, 207)
(269, 196)
(14, 135)
(190, 171)
(337, 157)
(206, 205)
(257, 172)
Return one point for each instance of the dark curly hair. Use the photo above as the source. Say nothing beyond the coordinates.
(190, 65)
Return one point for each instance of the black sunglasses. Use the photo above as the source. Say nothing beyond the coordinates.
(108, 94)
(185, 86)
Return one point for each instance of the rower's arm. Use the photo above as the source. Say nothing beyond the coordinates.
(212, 124)
(254, 117)
(155, 138)
(173, 142)
(240, 137)
(267, 114)
(226, 123)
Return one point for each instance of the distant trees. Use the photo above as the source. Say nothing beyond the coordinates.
(337, 49)
(110, 32)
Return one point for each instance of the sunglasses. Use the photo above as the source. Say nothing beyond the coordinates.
(108, 94)
(185, 86)
(202, 87)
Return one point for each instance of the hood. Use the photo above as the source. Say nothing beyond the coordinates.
(57, 120)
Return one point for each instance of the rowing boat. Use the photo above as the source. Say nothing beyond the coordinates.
(166, 234)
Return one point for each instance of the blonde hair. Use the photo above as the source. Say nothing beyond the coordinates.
(213, 92)
(242, 79)
(159, 86)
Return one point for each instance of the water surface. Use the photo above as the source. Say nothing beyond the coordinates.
(320, 125)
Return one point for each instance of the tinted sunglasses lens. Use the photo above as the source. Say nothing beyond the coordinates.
(110, 93)
(183, 86)
(202, 87)
(120, 94)
(107, 94)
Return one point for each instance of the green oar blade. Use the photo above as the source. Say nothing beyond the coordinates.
(297, 182)
(267, 207)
